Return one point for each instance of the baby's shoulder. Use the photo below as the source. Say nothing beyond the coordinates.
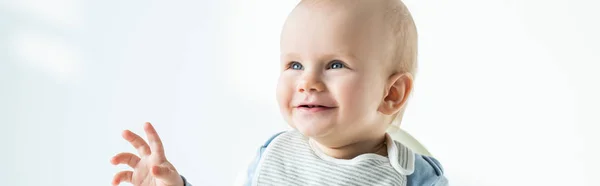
(427, 171)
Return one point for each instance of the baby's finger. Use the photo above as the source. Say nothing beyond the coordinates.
(125, 158)
(123, 176)
(137, 142)
(155, 142)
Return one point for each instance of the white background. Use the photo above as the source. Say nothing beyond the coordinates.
(507, 91)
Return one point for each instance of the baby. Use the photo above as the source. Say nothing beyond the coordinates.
(347, 69)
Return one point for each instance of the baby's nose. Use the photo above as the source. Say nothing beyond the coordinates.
(310, 83)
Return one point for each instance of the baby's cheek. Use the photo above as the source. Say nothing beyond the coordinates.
(284, 94)
(352, 97)
(361, 98)
(283, 100)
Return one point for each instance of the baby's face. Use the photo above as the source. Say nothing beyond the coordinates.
(333, 75)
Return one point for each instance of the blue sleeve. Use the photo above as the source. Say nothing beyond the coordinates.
(428, 171)
(185, 183)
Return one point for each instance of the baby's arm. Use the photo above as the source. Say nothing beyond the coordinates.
(151, 168)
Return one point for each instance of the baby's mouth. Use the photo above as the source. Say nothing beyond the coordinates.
(314, 108)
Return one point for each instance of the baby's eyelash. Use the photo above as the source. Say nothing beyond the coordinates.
(294, 65)
(333, 62)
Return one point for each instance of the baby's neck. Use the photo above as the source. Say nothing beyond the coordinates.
(376, 146)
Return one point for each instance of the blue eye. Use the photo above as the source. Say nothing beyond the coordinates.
(336, 64)
(296, 66)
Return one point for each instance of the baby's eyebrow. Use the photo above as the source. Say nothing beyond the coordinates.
(288, 56)
(339, 55)
(343, 55)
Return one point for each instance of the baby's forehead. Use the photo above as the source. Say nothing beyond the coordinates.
(357, 10)
(381, 29)
(390, 12)
(356, 19)
(339, 33)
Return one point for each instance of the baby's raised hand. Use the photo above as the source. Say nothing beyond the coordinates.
(151, 168)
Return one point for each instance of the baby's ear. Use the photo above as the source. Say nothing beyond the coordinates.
(398, 88)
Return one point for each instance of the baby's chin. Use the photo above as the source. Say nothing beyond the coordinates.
(313, 129)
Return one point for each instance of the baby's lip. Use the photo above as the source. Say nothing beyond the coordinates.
(313, 104)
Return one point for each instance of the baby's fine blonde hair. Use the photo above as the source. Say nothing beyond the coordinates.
(404, 50)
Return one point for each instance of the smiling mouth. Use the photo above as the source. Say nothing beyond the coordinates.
(314, 108)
